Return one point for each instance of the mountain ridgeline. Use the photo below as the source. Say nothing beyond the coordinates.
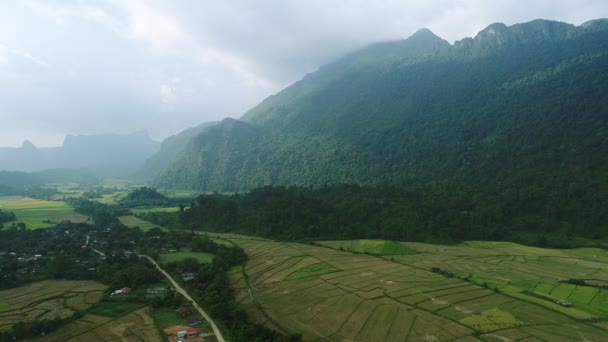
(511, 122)
(169, 149)
(104, 155)
(518, 109)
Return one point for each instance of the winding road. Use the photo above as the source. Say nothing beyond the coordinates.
(183, 292)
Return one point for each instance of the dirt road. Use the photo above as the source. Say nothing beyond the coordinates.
(183, 292)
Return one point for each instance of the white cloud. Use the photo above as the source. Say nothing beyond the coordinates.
(64, 10)
(6, 53)
(167, 93)
(108, 61)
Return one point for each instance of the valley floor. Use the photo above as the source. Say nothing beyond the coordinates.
(477, 291)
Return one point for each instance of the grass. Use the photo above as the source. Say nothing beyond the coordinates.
(142, 210)
(35, 213)
(167, 258)
(490, 320)
(114, 308)
(375, 247)
(572, 312)
(132, 222)
(7, 307)
(164, 318)
(312, 270)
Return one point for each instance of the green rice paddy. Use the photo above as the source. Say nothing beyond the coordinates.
(202, 258)
(35, 213)
(133, 222)
(375, 247)
(365, 291)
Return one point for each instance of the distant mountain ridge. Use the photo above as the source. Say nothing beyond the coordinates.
(509, 105)
(109, 154)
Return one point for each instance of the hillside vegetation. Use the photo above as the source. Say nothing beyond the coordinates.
(356, 212)
(506, 128)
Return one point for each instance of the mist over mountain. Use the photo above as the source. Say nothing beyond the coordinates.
(106, 155)
(511, 105)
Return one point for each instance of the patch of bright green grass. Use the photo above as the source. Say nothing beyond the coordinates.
(312, 270)
(7, 307)
(572, 312)
(563, 291)
(165, 318)
(583, 294)
(36, 213)
(544, 289)
(132, 222)
(379, 247)
(489, 244)
(202, 258)
(490, 320)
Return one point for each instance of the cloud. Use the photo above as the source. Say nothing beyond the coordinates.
(167, 93)
(94, 66)
(7, 54)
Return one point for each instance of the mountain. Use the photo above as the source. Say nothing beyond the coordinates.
(108, 155)
(170, 148)
(521, 108)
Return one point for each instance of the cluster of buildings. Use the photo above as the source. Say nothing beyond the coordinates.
(188, 334)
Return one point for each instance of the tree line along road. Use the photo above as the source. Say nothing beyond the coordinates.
(179, 289)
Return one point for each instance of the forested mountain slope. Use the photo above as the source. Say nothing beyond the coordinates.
(170, 148)
(514, 117)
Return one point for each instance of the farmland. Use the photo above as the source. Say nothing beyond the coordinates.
(135, 326)
(47, 299)
(167, 258)
(132, 222)
(37, 213)
(151, 209)
(327, 293)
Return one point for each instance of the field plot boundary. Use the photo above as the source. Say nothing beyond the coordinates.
(466, 286)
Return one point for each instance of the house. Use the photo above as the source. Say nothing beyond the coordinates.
(564, 304)
(194, 332)
(184, 311)
(181, 334)
(187, 276)
(121, 291)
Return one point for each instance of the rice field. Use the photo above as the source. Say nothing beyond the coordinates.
(35, 213)
(375, 247)
(202, 258)
(326, 292)
(47, 300)
(132, 222)
(135, 326)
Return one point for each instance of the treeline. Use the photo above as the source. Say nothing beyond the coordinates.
(388, 212)
(6, 216)
(211, 288)
(145, 196)
(24, 330)
(102, 214)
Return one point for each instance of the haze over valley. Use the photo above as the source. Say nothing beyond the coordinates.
(231, 172)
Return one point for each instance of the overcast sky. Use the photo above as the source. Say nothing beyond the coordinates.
(119, 66)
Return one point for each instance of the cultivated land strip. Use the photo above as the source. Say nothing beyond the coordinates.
(347, 303)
